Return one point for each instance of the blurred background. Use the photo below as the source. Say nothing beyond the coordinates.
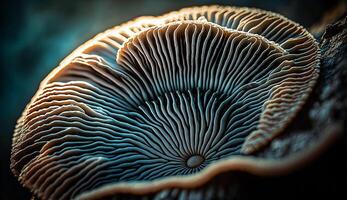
(37, 35)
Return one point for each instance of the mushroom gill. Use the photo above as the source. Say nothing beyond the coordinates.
(158, 98)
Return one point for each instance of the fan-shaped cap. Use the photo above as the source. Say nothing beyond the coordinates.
(191, 90)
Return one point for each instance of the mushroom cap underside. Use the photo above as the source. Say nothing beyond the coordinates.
(190, 93)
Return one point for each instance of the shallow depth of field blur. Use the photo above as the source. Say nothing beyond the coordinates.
(37, 35)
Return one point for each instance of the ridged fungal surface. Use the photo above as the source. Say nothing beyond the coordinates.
(163, 97)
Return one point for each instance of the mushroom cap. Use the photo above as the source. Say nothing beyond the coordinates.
(163, 102)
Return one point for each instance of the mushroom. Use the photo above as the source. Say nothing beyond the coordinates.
(166, 102)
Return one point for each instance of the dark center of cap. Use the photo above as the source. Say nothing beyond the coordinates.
(195, 161)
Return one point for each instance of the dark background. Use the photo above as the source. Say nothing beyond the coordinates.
(37, 35)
